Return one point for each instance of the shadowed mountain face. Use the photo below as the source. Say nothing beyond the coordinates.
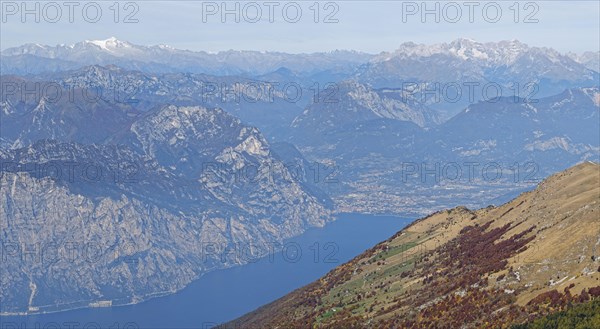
(490, 150)
(505, 129)
(461, 268)
(125, 94)
(156, 195)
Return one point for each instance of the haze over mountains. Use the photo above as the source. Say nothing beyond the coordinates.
(465, 57)
(468, 59)
(365, 136)
(462, 66)
(150, 153)
(507, 140)
(163, 58)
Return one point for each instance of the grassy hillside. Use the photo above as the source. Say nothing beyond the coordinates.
(489, 268)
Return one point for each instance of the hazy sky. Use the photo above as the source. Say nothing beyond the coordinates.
(370, 26)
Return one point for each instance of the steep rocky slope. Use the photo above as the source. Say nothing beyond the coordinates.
(487, 268)
(165, 197)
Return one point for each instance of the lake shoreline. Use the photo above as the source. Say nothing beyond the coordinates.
(247, 286)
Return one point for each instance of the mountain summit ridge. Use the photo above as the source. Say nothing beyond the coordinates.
(166, 58)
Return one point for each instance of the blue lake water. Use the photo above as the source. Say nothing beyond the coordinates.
(224, 295)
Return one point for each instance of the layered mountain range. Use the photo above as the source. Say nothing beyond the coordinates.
(464, 71)
(368, 138)
(463, 66)
(163, 58)
(458, 61)
(127, 171)
(261, 103)
(387, 146)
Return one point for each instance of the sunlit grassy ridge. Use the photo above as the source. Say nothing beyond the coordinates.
(489, 268)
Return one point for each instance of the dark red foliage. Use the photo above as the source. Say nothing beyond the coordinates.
(595, 291)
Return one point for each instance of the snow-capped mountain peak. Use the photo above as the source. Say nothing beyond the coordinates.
(503, 52)
(109, 44)
(468, 48)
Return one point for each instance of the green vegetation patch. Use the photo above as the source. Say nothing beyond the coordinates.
(581, 316)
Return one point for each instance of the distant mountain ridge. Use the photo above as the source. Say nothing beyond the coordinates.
(477, 70)
(163, 59)
(510, 54)
(589, 58)
(252, 100)
(504, 52)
